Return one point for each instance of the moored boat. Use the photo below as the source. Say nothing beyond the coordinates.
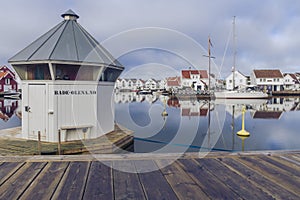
(240, 94)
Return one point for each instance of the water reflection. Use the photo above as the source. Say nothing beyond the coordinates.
(9, 113)
(193, 124)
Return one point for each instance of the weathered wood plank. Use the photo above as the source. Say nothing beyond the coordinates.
(152, 180)
(291, 159)
(99, 183)
(231, 179)
(73, 183)
(281, 164)
(126, 185)
(256, 178)
(180, 181)
(17, 183)
(212, 186)
(7, 169)
(276, 175)
(45, 184)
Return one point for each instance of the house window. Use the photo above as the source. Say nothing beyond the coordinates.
(230, 81)
(7, 81)
(260, 80)
(278, 80)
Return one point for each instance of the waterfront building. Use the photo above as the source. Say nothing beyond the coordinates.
(196, 79)
(267, 79)
(161, 84)
(125, 84)
(291, 82)
(121, 83)
(151, 84)
(67, 84)
(236, 80)
(173, 84)
(8, 81)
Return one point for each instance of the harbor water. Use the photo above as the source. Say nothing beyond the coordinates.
(194, 125)
(190, 124)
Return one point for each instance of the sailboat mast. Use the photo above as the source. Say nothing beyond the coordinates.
(209, 57)
(234, 52)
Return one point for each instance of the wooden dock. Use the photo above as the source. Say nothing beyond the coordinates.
(111, 142)
(216, 176)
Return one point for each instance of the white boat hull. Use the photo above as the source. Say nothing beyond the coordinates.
(240, 95)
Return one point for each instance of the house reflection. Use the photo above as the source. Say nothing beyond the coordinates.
(7, 108)
(193, 107)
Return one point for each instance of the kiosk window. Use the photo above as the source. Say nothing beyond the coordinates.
(110, 74)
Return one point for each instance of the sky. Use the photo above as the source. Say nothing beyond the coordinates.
(161, 37)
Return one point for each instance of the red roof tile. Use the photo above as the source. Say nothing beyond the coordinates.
(185, 112)
(187, 73)
(173, 81)
(268, 73)
(266, 115)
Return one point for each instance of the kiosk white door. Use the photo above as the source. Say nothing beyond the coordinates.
(37, 110)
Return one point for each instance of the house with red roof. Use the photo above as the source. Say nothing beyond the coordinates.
(173, 83)
(8, 81)
(267, 79)
(196, 79)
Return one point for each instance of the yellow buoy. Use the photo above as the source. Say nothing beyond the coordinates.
(243, 134)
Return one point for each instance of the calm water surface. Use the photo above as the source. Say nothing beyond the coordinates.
(194, 125)
(198, 125)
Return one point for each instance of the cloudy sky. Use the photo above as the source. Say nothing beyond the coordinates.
(160, 37)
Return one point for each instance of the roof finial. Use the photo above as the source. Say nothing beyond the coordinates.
(70, 15)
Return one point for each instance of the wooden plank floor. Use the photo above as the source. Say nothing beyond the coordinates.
(256, 176)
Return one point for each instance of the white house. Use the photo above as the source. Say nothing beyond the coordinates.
(151, 84)
(161, 84)
(129, 84)
(196, 79)
(267, 79)
(239, 80)
(291, 82)
(138, 84)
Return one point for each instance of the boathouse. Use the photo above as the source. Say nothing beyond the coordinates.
(67, 84)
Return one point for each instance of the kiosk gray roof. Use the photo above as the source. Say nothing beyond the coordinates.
(68, 41)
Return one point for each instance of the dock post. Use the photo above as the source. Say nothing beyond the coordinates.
(59, 143)
(39, 142)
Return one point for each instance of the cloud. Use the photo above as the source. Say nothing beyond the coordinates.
(267, 32)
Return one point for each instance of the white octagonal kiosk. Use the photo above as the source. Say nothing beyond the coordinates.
(67, 84)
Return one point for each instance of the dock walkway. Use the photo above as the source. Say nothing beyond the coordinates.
(216, 176)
